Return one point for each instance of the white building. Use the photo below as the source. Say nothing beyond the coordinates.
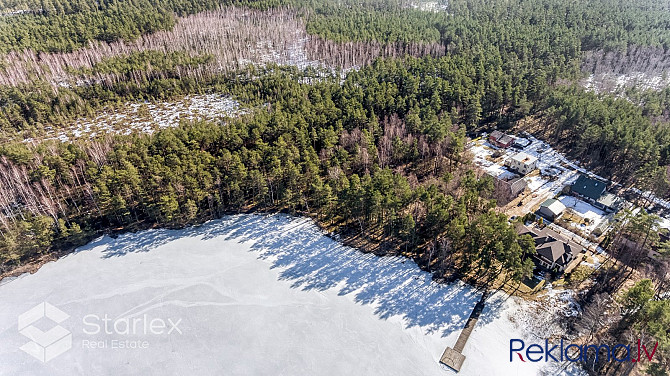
(551, 209)
(522, 163)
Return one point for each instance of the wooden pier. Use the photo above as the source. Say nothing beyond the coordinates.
(454, 358)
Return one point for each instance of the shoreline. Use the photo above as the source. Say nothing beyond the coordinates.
(34, 263)
(344, 235)
(298, 258)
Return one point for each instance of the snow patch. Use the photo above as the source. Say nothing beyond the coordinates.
(149, 117)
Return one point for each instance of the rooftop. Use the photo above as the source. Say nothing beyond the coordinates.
(506, 139)
(501, 137)
(497, 134)
(551, 245)
(609, 200)
(524, 158)
(587, 187)
(554, 206)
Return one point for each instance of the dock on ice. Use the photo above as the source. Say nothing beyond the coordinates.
(454, 358)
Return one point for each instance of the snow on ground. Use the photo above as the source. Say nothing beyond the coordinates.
(533, 322)
(652, 197)
(548, 158)
(430, 6)
(482, 151)
(540, 187)
(617, 83)
(595, 264)
(148, 117)
(258, 295)
(584, 210)
(535, 183)
(293, 53)
(664, 223)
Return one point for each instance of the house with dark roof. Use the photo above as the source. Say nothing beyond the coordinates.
(595, 192)
(501, 139)
(588, 188)
(554, 251)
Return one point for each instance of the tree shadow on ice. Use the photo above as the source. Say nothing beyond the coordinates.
(310, 260)
(143, 241)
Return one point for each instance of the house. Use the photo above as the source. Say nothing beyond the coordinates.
(595, 192)
(589, 189)
(506, 190)
(551, 209)
(554, 252)
(522, 163)
(500, 139)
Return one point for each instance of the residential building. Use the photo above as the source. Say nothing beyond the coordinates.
(589, 189)
(551, 209)
(595, 192)
(609, 202)
(506, 190)
(554, 251)
(501, 139)
(522, 163)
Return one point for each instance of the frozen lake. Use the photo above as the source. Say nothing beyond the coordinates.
(246, 295)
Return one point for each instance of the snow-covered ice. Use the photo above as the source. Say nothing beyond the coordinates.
(259, 295)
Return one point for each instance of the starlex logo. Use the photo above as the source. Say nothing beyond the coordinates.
(576, 353)
(44, 345)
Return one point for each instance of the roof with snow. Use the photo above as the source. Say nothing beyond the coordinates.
(609, 200)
